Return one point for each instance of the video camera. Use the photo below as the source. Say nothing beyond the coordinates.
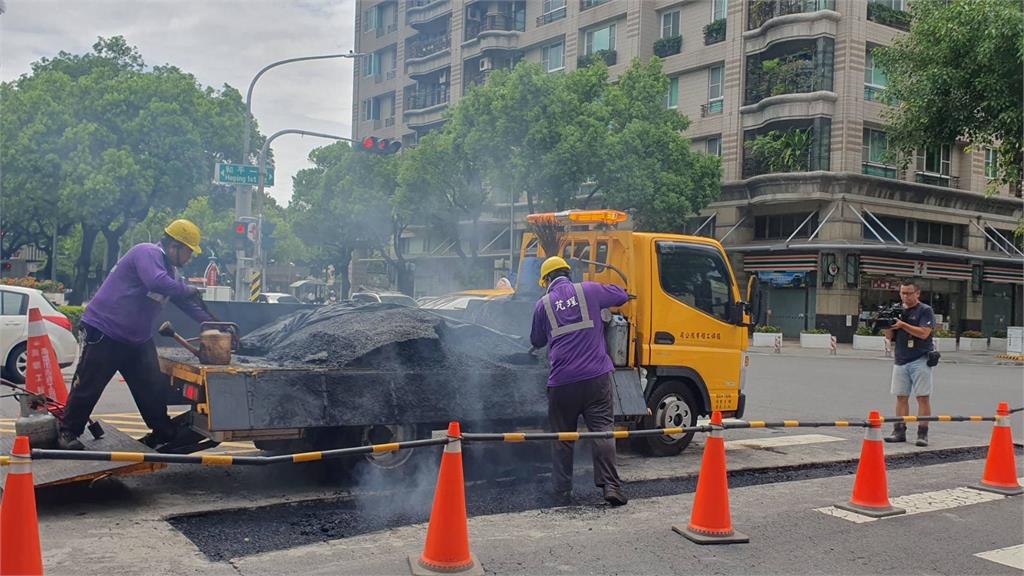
(887, 316)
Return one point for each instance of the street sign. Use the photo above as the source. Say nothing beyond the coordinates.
(241, 174)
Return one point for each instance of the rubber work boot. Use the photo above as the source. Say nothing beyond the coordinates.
(68, 441)
(899, 433)
(614, 496)
(563, 497)
(922, 436)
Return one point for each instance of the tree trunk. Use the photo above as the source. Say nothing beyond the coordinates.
(529, 201)
(113, 238)
(344, 261)
(82, 264)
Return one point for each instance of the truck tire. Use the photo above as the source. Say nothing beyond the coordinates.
(672, 405)
(17, 363)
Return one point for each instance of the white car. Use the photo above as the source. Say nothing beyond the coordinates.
(277, 298)
(14, 306)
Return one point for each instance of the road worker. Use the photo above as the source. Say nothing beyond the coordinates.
(117, 333)
(568, 319)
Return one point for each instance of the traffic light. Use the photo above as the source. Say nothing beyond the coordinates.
(267, 236)
(245, 234)
(380, 146)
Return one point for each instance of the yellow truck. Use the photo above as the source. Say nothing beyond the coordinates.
(684, 332)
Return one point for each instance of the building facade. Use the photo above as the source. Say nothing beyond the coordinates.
(828, 226)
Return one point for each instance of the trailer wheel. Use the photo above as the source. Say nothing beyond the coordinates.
(386, 434)
(672, 405)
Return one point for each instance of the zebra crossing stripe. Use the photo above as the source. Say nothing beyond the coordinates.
(1012, 556)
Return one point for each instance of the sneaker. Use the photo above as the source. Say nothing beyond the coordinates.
(614, 496)
(68, 441)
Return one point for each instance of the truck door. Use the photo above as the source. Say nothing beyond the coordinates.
(692, 295)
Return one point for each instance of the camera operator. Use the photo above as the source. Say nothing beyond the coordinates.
(912, 372)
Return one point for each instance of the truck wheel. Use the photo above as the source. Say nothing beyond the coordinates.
(386, 434)
(672, 405)
(17, 363)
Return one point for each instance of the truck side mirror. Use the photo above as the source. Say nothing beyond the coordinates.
(755, 300)
(736, 313)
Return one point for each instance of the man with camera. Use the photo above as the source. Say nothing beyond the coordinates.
(912, 372)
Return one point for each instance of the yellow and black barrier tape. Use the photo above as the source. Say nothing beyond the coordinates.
(509, 437)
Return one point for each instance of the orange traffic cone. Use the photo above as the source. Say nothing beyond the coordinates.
(42, 374)
(1000, 474)
(19, 527)
(870, 489)
(710, 522)
(447, 547)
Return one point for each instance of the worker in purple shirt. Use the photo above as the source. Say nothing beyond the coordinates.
(568, 318)
(117, 333)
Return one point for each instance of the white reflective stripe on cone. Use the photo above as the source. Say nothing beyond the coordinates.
(453, 446)
(36, 329)
(873, 434)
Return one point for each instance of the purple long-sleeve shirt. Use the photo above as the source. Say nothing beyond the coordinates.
(127, 304)
(582, 354)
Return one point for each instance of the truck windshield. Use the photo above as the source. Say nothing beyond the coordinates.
(695, 275)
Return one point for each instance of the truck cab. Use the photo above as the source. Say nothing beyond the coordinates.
(687, 323)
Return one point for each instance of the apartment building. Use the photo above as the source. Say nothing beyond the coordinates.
(830, 231)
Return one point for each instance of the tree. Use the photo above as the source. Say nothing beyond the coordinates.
(959, 74)
(120, 141)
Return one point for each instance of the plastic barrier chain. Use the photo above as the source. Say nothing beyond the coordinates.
(511, 437)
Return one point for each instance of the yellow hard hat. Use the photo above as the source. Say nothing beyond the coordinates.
(549, 266)
(185, 232)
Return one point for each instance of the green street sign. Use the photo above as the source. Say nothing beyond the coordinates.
(241, 174)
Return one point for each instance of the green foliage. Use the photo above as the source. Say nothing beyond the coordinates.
(943, 333)
(815, 331)
(101, 141)
(971, 334)
(664, 47)
(999, 333)
(74, 314)
(714, 32)
(889, 16)
(958, 75)
(865, 330)
(609, 57)
(32, 282)
(767, 329)
(787, 151)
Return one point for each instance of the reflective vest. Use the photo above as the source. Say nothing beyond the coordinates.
(584, 323)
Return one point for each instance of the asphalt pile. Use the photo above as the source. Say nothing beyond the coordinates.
(381, 337)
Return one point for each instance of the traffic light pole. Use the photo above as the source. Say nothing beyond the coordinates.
(243, 192)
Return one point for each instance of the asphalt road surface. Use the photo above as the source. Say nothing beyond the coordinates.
(319, 519)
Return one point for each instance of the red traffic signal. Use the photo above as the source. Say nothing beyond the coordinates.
(381, 146)
(240, 228)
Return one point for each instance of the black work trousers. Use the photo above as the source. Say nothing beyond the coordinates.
(593, 400)
(103, 356)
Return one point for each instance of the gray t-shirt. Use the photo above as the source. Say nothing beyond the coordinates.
(909, 348)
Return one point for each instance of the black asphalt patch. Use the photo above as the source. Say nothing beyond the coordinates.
(226, 534)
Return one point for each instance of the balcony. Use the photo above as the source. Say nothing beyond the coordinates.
(551, 16)
(874, 93)
(761, 11)
(794, 67)
(490, 23)
(426, 47)
(934, 179)
(422, 12)
(664, 47)
(880, 170)
(714, 32)
(609, 57)
(588, 4)
(888, 16)
(785, 147)
(426, 97)
(712, 108)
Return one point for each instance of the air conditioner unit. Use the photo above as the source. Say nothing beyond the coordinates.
(486, 64)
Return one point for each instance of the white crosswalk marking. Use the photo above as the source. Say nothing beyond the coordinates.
(923, 502)
(1012, 556)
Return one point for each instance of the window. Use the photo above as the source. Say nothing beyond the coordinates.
(696, 276)
(600, 39)
(713, 146)
(364, 108)
(894, 4)
(898, 226)
(370, 19)
(934, 160)
(873, 75)
(1008, 241)
(13, 304)
(714, 83)
(670, 24)
(781, 226)
(554, 57)
(991, 165)
(936, 233)
(874, 147)
(551, 6)
(673, 92)
(371, 64)
(718, 9)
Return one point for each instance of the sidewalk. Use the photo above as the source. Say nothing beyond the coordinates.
(792, 348)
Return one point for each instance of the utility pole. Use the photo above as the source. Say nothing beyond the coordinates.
(243, 192)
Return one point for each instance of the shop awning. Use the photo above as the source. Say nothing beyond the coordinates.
(1001, 275)
(781, 263)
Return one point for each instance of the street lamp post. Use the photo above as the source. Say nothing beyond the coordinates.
(243, 192)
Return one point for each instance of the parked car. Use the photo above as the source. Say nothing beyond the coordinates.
(15, 303)
(277, 298)
(385, 297)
